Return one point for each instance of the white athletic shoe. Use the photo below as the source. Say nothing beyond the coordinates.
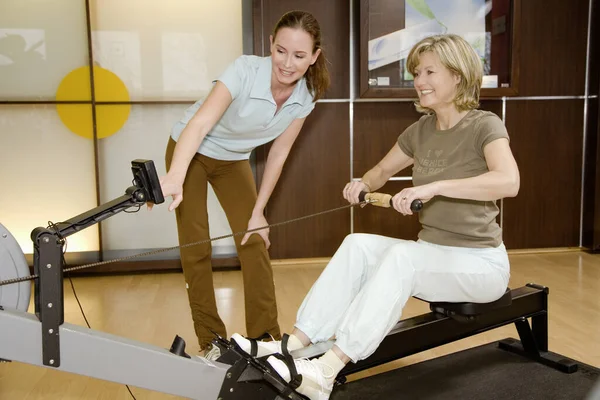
(262, 348)
(317, 377)
(212, 353)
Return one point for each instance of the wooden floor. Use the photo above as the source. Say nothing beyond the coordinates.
(153, 309)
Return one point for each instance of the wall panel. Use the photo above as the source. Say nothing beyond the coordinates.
(147, 133)
(553, 47)
(312, 181)
(166, 50)
(47, 174)
(40, 43)
(546, 139)
(377, 126)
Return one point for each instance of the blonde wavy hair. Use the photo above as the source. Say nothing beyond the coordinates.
(456, 54)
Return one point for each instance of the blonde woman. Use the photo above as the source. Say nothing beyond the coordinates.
(462, 164)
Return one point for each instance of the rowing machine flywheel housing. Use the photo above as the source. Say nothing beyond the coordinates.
(12, 266)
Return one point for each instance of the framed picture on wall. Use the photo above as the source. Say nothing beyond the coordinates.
(389, 29)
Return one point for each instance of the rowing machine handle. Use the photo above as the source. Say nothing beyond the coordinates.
(385, 200)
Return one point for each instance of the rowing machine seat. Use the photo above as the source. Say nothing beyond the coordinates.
(465, 312)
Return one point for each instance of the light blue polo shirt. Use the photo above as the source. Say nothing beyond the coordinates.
(250, 120)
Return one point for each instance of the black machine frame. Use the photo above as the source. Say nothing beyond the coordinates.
(426, 331)
(414, 335)
(48, 261)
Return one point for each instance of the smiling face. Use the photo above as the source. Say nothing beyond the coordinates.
(435, 84)
(292, 54)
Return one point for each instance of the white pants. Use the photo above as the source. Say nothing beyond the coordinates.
(360, 295)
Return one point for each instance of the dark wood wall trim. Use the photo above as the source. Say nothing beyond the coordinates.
(127, 267)
(591, 205)
(591, 208)
(595, 245)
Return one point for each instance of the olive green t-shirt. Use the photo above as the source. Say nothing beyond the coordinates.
(454, 153)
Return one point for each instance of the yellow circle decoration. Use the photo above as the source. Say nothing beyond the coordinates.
(108, 88)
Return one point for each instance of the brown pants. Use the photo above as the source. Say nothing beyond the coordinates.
(233, 183)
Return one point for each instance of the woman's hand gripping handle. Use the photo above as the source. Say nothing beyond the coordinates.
(385, 200)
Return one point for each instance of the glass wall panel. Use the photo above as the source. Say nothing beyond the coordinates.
(47, 174)
(142, 51)
(41, 42)
(166, 50)
(392, 27)
(145, 135)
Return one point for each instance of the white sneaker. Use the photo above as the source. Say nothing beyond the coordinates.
(262, 348)
(317, 377)
(213, 353)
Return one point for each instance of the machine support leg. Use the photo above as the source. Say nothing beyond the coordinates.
(539, 323)
(527, 339)
(49, 294)
(529, 346)
(539, 326)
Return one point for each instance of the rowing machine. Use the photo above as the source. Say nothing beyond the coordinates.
(45, 340)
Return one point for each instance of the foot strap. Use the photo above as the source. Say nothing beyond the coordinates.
(296, 379)
(284, 345)
(254, 345)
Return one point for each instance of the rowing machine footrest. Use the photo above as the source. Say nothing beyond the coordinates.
(178, 347)
(465, 312)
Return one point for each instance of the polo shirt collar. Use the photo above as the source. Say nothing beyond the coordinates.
(261, 89)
